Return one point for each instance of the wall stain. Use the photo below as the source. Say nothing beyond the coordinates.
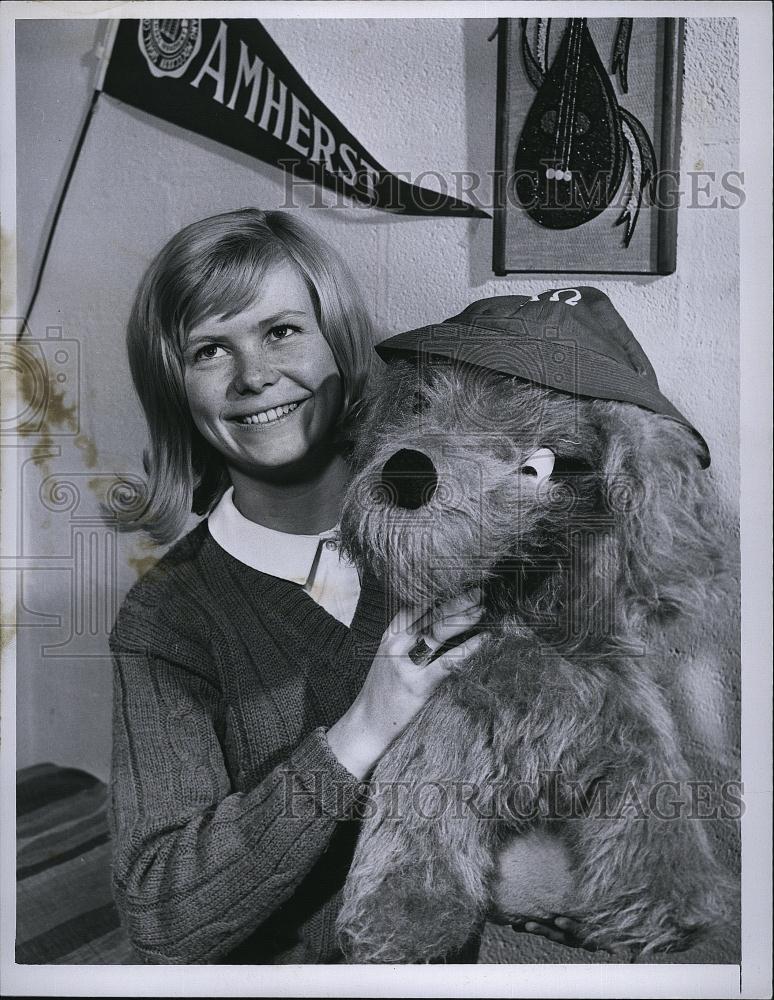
(146, 558)
(45, 399)
(146, 552)
(8, 253)
(50, 413)
(89, 449)
(44, 411)
(98, 487)
(7, 634)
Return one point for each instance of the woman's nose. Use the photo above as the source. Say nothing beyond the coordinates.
(253, 374)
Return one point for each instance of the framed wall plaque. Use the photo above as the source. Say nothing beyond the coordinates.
(588, 141)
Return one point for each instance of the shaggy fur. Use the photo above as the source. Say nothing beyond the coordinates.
(582, 577)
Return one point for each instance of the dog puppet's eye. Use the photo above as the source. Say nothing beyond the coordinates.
(540, 464)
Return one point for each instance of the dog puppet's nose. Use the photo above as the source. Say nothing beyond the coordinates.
(410, 477)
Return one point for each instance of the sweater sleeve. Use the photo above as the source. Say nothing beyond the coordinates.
(196, 866)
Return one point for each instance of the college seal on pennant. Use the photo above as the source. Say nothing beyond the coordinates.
(169, 45)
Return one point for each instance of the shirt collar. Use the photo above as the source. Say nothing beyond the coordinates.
(277, 553)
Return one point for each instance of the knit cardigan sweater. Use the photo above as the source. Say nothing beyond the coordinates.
(233, 823)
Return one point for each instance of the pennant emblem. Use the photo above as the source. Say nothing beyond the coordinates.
(169, 45)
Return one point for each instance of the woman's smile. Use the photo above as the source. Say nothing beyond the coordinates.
(268, 417)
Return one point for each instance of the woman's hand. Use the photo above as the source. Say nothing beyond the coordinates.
(397, 686)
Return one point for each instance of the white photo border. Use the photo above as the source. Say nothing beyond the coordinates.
(753, 977)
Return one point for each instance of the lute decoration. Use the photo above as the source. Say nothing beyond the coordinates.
(620, 64)
(577, 141)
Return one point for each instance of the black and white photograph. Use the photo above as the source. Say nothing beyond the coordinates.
(386, 499)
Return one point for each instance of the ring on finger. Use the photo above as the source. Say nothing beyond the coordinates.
(421, 652)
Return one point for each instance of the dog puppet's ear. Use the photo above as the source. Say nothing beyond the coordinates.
(666, 544)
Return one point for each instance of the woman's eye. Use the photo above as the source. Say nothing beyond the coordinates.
(207, 353)
(281, 332)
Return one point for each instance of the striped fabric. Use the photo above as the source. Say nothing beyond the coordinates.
(64, 908)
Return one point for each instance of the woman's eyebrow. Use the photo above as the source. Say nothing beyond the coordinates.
(194, 338)
(283, 314)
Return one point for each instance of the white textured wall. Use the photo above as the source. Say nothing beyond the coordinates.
(420, 95)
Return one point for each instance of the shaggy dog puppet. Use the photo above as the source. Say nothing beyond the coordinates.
(524, 447)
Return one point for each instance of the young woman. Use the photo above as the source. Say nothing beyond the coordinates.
(257, 679)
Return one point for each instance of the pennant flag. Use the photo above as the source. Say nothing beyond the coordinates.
(228, 80)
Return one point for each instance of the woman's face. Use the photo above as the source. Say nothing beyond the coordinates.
(263, 386)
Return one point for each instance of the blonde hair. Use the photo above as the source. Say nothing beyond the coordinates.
(214, 267)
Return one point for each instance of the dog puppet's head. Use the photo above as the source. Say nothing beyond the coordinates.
(586, 520)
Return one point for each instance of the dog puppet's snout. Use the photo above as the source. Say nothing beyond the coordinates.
(410, 478)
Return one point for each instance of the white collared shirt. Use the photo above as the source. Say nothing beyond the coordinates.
(312, 561)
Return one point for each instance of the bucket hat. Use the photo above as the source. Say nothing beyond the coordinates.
(569, 339)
